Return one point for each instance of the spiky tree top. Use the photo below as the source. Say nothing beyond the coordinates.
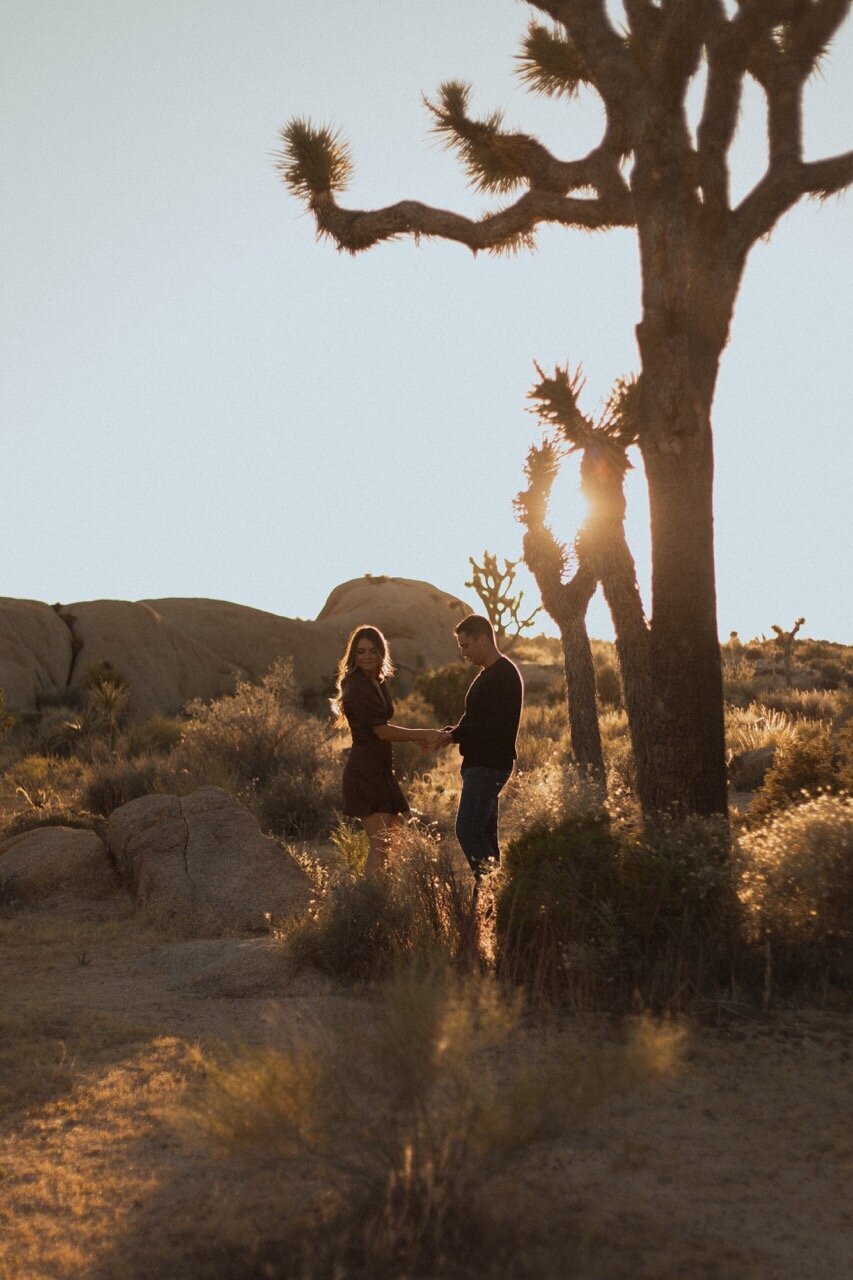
(638, 73)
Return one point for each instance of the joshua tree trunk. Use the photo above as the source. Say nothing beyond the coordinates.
(567, 603)
(570, 617)
(603, 547)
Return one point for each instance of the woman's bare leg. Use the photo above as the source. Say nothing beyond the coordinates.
(379, 827)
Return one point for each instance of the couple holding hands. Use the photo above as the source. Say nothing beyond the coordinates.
(485, 736)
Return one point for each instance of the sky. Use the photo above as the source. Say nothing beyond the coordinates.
(198, 398)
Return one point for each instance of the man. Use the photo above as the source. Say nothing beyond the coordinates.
(486, 739)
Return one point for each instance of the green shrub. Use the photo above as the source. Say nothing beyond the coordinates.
(444, 689)
(592, 915)
(803, 765)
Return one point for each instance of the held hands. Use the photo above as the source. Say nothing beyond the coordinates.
(433, 739)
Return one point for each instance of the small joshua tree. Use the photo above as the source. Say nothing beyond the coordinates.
(785, 641)
(600, 549)
(493, 587)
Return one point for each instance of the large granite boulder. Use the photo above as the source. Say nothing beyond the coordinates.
(164, 666)
(416, 618)
(47, 862)
(173, 650)
(203, 860)
(35, 652)
(248, 641)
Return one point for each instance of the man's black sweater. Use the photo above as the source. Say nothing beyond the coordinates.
(487, 731)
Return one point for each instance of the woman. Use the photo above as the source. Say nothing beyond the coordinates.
(371, 792)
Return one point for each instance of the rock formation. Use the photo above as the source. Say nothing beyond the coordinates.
(55, 861)
(203, 861)
(173, 650)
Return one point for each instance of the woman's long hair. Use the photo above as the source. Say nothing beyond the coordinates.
(346, 666)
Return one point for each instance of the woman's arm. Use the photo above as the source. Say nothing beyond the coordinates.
(396, 733)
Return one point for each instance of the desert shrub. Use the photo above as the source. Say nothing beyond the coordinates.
(802, 766)
(795, 873)
(414, 712)
(48, 789)
(739, 677)
(608, 684)
(56, 731)
(110, 784)
(545, 795)
(281, 760)
(405, 1111)
(109, 706)
(810, 704)
(444, 690)
(434, 794)
(350, 840)
(155, 734)
(594, 915)
(361, 928)
(544, 730)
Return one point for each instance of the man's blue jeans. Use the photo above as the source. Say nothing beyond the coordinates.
(477, 818)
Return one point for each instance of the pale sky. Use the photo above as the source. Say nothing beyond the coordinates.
(201, 400)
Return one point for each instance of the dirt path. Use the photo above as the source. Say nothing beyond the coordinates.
(736, 1168)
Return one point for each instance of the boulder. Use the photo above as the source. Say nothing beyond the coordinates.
(47, 862)
(747, 771)
(164, 666)
(203, 860)
(173, 650)
(248, 641)
(416, 618)
(35, 652)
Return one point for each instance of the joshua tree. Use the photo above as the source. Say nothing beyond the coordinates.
(693, 246)
(566, 599)
(785, 641)
(493, 587)
(600, 547)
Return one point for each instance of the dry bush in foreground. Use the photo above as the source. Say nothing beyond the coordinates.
(407, 1112)
(360, 929)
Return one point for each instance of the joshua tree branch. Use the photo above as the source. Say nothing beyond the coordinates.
(355, 230)
(611, 67)
(779, 190)
(497, 160)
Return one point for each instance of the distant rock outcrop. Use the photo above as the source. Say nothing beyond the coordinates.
(35, 652)
(203, 861)
(172, 650)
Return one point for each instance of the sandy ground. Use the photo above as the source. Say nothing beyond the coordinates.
(735, 1168)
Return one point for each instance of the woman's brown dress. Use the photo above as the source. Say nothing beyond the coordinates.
(369, 784)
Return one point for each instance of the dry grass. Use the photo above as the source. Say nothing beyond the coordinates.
(732, 1165)
(411, 1112)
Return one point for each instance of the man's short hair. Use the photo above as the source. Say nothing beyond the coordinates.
(475, 625)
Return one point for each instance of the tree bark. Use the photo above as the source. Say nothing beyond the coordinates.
(689, 753)
(567, 603)
(603, 546)
(580, 694)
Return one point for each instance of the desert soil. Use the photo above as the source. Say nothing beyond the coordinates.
(736, 1167)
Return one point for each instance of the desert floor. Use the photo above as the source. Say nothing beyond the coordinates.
(737, 1166)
